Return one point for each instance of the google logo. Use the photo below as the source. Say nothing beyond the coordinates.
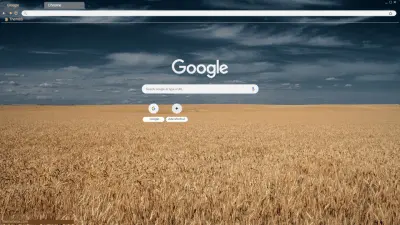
(211, 69)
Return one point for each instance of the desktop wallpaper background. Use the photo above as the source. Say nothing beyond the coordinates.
(318, 144)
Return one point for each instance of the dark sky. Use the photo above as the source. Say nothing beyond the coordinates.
(300, 61)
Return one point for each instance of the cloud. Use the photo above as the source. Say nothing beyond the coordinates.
(123, 71)
(348, 85)
(38, 81)
(46, 85)
(329, 70)
(77, 70)
(12, 83)
(248, 68)
(370, 45)
(13, 75)
(226, 54)
(331, 78)
(234, 82)
(141, 59)
(383, 77)
(215, 31)
(254, 37)
(290, 86)
(94, 82)
(252, 52)
(43, 97)
(291, 39)
(46, 53)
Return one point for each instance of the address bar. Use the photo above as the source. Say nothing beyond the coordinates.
(208, 13)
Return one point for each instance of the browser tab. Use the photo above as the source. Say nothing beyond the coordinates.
(12, 6)
(64, 5)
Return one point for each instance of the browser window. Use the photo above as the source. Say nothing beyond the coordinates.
(199, 112)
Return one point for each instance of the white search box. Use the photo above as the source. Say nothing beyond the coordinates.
(208, 13)
(200, 89)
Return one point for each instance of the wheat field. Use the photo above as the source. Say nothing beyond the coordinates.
(230, 164)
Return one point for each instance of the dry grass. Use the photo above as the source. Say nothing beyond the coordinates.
(229, 165)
